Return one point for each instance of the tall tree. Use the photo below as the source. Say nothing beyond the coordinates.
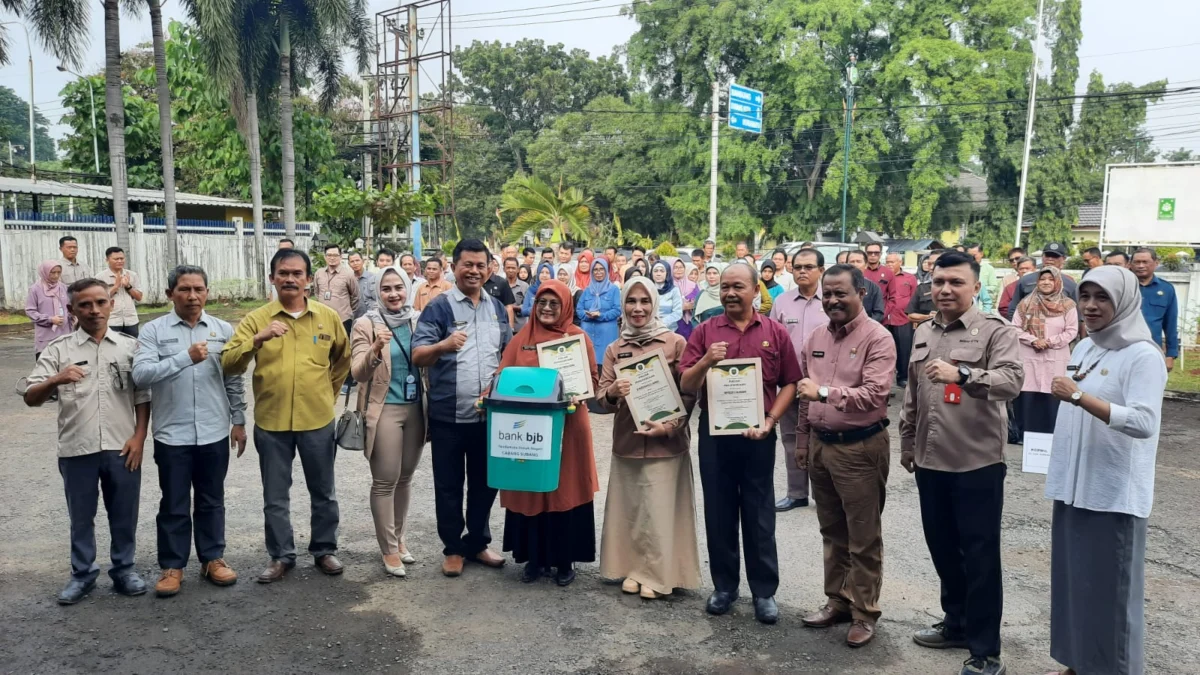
(164, 130)
(14, 126)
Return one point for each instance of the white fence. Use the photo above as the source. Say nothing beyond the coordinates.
(227, 258)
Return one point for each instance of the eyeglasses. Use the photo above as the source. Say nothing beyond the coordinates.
(805, 268)
(548, 304)
(118, 381)
(1014, 260)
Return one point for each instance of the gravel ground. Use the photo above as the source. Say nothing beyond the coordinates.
(486, 621)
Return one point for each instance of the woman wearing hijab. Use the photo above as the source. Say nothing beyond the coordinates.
(649, 535)
(554, 529)
(1101, 479)
(566, 277)
(1049, 322)
(599, 308)
(708, 302)
(524, 274)
(688, 291)
(694, 275)
(670, 302)
(46, 306)
(545, 272)
(381, 356)
(583, 271)
(774, 288)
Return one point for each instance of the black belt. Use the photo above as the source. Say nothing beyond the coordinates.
(853, 435)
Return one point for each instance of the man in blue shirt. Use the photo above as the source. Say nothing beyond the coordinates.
(1160, 306)
(194, 405)
(459, 340)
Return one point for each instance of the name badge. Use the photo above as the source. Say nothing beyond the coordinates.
(529, 348)
(328, 295)
(1073, 367)
(818, 355)
(791, 321)
(625, 355)
(169, 341)
(953, 394)
(920, 345)
(325, 337)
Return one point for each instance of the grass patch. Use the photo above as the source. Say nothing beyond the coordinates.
(216, 306)
(1186, 377)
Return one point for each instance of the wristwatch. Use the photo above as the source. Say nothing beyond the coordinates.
(823, 394)
(964, 374)
(1076, 397)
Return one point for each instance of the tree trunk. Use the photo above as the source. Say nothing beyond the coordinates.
(285, 128)
(164, 132)
(255, 147)
(114, 120)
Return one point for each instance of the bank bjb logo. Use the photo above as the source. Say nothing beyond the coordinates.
(519, 436)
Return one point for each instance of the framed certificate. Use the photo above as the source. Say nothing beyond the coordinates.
(735, 396)
(652, 391)
(570, 358)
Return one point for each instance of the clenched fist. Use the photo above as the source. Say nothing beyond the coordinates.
(716, 352)
(198, 352)
(456, 341)
(275, 330)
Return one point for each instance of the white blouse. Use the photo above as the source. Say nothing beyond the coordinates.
(1110, 467)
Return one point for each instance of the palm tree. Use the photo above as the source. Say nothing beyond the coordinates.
(566, 213)
(164, 132)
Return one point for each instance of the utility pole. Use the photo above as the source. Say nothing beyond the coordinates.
(712, 174)
(414, 101)
(1033, 78)
(368, 229)
(851, 80)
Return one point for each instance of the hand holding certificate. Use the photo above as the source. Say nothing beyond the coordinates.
(735, 396)
(653, 395)
(570, 358)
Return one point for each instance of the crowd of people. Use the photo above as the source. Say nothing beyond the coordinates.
(425, 342)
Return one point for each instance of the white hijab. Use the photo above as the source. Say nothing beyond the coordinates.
(1128, 326)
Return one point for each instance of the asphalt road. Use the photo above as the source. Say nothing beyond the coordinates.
(487, 621)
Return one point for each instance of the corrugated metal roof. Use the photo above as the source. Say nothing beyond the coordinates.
(53, 188)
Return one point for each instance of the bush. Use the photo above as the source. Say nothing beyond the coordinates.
(1172, 262)
(1075, 262)
(666, 250)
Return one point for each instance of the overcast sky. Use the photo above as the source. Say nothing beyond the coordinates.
(1150, 39)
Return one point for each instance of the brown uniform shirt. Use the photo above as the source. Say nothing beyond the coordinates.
(626, 443)
(969, 435)
(429, 290)
(338, 290)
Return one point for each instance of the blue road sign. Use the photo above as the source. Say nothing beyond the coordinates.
(745, 109)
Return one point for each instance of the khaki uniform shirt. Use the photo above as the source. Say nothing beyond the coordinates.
(124, 311)
(972, 434)
(426, 292)
(337, 288)
(73, 271)
(97, 412)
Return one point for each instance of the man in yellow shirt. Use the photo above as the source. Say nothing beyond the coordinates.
(301, 358)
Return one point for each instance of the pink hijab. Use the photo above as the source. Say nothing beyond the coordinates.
(686, 286)
(44, 270)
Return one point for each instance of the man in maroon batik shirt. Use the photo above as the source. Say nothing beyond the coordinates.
(895, 314)
(737, 472)
(876, 271)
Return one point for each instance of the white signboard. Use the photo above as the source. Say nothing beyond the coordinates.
(1036, 457)
(1151, 204)
(521, 436)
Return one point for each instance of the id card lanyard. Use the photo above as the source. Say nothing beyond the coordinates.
(410, 381)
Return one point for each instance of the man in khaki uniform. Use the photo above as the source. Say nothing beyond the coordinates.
(125, 289)
(102, 425)
(965, 366)
(336, 287)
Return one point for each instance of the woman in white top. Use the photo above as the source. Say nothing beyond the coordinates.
(670, 306)
(1101, 479)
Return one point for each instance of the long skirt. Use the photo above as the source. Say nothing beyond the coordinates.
(1097, 585)
(1036, 412)
(650, 524)
(553, 539)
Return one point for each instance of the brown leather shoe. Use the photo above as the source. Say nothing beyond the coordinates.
(860, 633)
(169, 583)
(275, 571)
(825, 617)
(490, 558)
(329, 564)
(452, 565)
(218, 573)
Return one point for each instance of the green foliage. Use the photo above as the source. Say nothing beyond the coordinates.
(1171, 259)
(666, 249)
(342, 209)
(565, 212)
(1075, 263)
(210, 154)
(14, 128)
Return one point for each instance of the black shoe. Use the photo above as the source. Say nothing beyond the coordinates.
(130, 584)
(531, 573)
(720, 602)
(74, 591)
(939, 637)
(565, 575)
(787, 504)
(765, 610)
(977, 665)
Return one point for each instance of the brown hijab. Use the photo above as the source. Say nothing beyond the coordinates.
(1038, 306)
(577, 482)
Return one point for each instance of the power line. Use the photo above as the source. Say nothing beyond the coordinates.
(1140, 51)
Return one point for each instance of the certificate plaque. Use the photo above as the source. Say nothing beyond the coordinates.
(735, 396)
(570, 358)
(652, 391)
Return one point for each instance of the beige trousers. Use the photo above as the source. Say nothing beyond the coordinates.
(399, 439)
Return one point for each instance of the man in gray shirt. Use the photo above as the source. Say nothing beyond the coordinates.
(72, 269)
(199, 412)
(519, 289)
(367, 300)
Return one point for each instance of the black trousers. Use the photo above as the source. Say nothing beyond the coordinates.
(85, 479)
(738, 478)
(183, 469)
(903, 337)
(460, 456)
(960, 513)
(131, 331)
(348, 324)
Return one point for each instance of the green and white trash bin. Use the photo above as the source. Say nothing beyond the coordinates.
(525, 415)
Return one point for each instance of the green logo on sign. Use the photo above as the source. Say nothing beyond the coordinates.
(1166, 209)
